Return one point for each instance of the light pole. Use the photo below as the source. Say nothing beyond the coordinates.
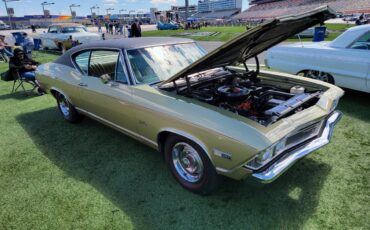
(109, 10)
(72, 6)
(123, 22)
(186, 10)
(92, 8)
(131, 11)
(6, 8)
(122, 10)
(43, 8)
(120, 13)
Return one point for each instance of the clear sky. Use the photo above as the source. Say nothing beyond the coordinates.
(61, 7)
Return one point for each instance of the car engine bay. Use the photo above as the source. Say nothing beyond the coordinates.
(244, 94)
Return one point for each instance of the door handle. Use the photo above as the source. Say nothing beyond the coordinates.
(82, 84)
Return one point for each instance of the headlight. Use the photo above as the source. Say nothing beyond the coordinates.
(262, 158)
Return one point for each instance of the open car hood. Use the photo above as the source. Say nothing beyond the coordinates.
(256, 40)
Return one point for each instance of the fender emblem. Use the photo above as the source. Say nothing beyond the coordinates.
(221, 154)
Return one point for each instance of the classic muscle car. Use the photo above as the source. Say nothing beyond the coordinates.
(209, 115)
(344, 62)
(63, 36)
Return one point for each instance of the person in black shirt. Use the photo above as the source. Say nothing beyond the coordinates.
(136, 29)
(24, 66)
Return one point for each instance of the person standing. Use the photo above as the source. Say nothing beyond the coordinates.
(121, 28)
(99, 27)
(136, 29)
(33, 28)
(116, 27)
(110, 27)
(28, 44)
(106, 27)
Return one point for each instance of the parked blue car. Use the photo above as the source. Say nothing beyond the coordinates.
(167, 26)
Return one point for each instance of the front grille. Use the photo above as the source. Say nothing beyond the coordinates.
(304, 134)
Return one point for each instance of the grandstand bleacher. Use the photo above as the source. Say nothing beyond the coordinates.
(221, 14)
(267, 9)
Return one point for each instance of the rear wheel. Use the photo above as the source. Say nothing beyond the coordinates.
(318, 75)
(69, 113)
(190, 165)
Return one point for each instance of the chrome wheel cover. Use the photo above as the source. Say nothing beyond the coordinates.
(64, 106)
(318, 75)
(187, 162)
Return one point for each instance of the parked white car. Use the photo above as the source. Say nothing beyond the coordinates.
(344, 62)
(64, 36)
(4, 26)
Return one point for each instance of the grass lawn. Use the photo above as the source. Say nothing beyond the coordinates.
(227, 33)
(55, 175)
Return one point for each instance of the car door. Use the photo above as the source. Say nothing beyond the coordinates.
(104, 90)
(48, 38)
(359, 55)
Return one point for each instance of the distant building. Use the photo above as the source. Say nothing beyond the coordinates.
(179, 11)
(40, 20)
(218, 5)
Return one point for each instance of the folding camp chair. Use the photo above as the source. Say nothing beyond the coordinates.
(19, 82)
(3, 57)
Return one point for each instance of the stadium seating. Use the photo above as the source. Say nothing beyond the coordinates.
(223, 14)
(288, 7)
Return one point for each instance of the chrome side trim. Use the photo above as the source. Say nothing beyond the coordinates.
(61, 92)
(120, 128)
(190, 137)
(156, 45)
(279, 167)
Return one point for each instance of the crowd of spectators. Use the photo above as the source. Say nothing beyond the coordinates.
(119, 28)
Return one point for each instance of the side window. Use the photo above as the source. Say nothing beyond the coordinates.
(121, 75)
(82, 61)
(362, 43)
(103, 62)
(53, 29)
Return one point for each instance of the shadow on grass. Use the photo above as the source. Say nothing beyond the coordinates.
(135, 178)
(19, 95)
(360, 109)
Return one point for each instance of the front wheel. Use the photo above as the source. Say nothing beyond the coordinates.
(318, 75)
(69, 113)
(190, 165)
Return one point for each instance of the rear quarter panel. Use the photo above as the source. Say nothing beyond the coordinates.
(60, 77)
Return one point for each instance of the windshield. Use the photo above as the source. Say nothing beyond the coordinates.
(155, 64)
(74, 29)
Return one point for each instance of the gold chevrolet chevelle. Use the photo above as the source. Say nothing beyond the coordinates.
(209, 114)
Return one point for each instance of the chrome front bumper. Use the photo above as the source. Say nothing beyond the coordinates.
(280, 166)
